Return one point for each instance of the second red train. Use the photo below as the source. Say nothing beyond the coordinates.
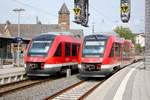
(101, 55)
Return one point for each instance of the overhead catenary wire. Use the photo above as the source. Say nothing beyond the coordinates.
(101, 14)
(35, 8)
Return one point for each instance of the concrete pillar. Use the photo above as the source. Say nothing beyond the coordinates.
(68, 74)
(147, 34)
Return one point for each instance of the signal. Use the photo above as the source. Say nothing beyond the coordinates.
(81, 10)
(77, 11)
(125, 6)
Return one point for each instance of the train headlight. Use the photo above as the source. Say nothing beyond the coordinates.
(79, 66)
(42, 66)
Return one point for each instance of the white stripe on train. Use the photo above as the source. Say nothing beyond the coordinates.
(59, 65)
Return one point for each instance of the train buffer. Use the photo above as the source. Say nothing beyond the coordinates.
(130, 83)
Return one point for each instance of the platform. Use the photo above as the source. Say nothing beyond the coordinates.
(9, 74)
(130, 83)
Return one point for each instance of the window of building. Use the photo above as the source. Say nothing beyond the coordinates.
(74, 50)
(58, 51)
(67, 49)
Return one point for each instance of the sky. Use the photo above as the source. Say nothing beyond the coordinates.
(104, 14)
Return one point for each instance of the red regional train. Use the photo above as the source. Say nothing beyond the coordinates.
(101, 55)
(48, 54)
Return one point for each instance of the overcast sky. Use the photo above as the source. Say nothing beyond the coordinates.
(104, 13)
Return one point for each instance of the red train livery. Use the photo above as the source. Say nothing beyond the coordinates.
(102, 54)
(48, 54)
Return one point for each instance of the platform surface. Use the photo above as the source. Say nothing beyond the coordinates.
(10, 70)
(130, 83)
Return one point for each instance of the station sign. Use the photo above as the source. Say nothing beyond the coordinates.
(18, 39)
(125, 9)
(77, 11)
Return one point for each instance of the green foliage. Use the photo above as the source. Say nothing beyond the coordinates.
(125, 33)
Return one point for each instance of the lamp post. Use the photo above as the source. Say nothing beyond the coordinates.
(93, 27)
(18, 10)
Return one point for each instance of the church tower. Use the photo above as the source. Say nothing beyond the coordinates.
(64, 17)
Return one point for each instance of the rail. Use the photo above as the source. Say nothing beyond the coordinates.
(17, 86)
(77, 91)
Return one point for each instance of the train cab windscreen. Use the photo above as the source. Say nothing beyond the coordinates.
(94, 47)
(39, 48)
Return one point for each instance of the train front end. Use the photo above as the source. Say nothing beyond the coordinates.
(37, 55)
(91, 58)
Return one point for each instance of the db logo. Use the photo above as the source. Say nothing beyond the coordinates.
(33, 59)
(67, 59)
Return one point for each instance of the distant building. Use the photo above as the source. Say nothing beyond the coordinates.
(140, 39)
(30, 30)
(8, 31)
(64, 17)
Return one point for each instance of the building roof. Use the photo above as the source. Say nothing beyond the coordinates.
(28, 31)
(139, 34)
(64, 10)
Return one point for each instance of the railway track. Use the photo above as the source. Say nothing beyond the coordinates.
(17, 86)
(20, 85)
(77, 91)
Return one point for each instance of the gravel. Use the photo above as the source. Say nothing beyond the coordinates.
(41, 91)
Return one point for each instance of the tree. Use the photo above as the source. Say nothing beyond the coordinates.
(125, 33)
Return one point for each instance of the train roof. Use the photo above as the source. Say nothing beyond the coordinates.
(97, 36)
(52, 35)
(116, 38)
(44, 37)
(106, 34)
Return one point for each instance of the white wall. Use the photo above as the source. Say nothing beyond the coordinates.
(139, 39)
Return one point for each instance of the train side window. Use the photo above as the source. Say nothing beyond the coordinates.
(112, 51)
(67, 49)
(74, 50)
(117, 48)
(58, 51)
